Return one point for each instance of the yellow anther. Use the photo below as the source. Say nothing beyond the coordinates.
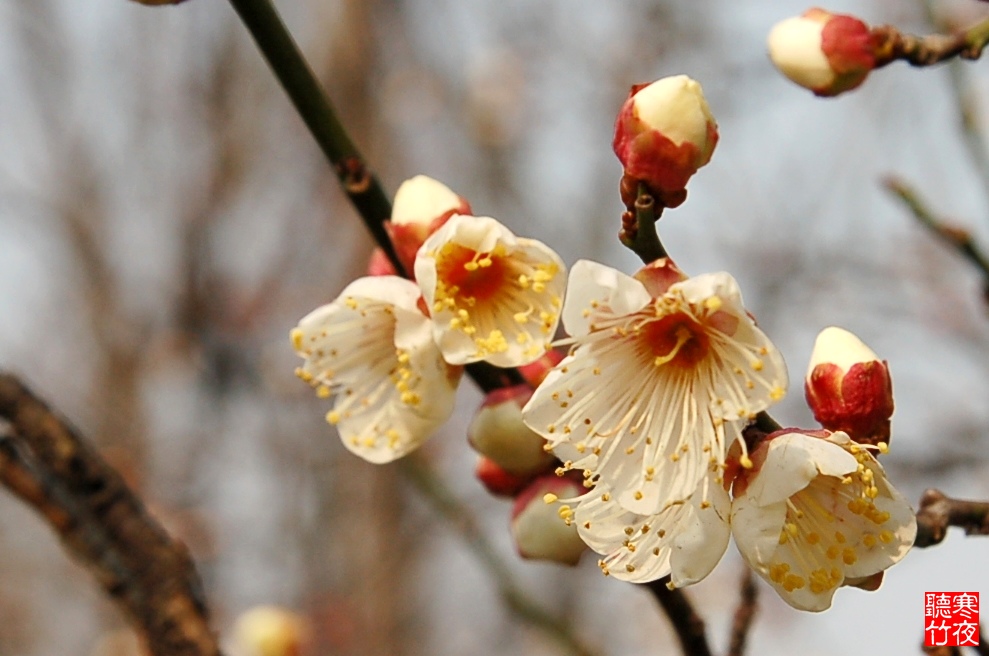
(848, 556)
(745, 460)
(333, 417)
(549, 497)
(712, 303)
(886, 536)
(869, 540)
(296, 336)
(323, 391)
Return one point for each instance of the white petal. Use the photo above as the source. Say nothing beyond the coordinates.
(839, 347)
(421, 200)
(792, 462)
(593, 286)
(756, 528)
(702, 540)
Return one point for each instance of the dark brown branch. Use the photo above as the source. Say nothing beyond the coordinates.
(744, 613)
(687, 624)
(101, 522)
(892, 45)
(941, 651)
(938, 512)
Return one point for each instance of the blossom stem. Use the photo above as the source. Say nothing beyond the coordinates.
(445, 502)
(645, 238)
(310, 100)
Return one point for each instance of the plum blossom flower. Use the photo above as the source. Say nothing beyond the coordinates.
(372, 347)
(824, 52)
(658, 382)
(817, 512)
(493, 296)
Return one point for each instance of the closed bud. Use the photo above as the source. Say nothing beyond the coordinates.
(824, 52)
(497, 481)
(664, 133)
(498, 433)
(270, 631)
(543, 528)
(849, 388)
(422, 205)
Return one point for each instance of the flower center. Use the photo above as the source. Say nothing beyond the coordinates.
(476, 276)
(677, 340)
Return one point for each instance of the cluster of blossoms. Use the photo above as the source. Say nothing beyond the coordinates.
(642, 441)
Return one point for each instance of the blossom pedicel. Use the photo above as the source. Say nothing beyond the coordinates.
(849, 388)
(824, 52)
(492, 296)
(373, 348)
(816, 512)
(664, 133)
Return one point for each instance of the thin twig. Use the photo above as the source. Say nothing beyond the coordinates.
(418, 472)
(955, 237)
(937, 512)
(104, 524)
(687, 624)
(744, 613)
(892, 45)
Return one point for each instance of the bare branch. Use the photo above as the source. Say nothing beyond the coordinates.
(938, 512)
(103, 524)
(686, 622)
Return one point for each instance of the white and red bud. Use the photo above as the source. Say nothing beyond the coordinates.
(535, 372)
(824, 52)
(543, 528)
(422, 205)
(498, 433)
(664, 133)
(270, 631)
(497, 481)
(849, 388)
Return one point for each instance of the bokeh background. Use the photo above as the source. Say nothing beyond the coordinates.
(165, 219)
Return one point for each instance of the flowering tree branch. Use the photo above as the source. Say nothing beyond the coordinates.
(150, 576)
(892, 45)
(938, 512)
(955, 237)
(744, 614)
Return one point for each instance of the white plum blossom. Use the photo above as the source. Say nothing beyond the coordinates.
(492, 296)
(657, 384)
(373, 348)
(816, 513)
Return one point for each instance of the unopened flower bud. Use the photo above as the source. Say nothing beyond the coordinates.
(849, 388)
(421, 206)
(497, 481)
(379, 264)
(535, 372)
(824, 52)
(664, 133)
(542, 527)
(270, 631)
(498, 432)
